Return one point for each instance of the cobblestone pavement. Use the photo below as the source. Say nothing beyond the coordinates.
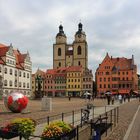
(126, 114)
(59, 105)
(134, 133)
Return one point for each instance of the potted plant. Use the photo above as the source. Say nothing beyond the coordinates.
(57, 131)
(19, 126)
(8, 131)
(24, 126)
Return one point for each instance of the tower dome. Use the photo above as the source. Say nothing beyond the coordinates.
(80, 29)
(61, 37)
(61, 32)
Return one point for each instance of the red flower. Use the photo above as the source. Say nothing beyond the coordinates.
(5, 129)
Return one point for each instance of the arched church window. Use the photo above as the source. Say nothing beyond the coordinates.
(79, 63)
(79, 50)
(59, 64)
(59, 51)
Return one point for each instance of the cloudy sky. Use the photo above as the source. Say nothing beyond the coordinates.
(111, 26)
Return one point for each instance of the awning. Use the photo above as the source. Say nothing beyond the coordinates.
(136, 92)
(114, 92)
(124, 91)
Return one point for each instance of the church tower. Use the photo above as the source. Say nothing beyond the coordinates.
(80, 48)
(59, 49)
(75, 54)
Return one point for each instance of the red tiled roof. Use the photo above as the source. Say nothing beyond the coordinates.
(2, 45)
(1, 61)
(51, 71)
(124, 91)
(19, 57)
(74, 68)
(17, 54)
(122, 63)
(63, 70)
(3, 51)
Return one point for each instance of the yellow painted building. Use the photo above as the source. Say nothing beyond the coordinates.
(74, 81)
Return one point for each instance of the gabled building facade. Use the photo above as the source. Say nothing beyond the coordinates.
(117, 75)
(15, 70)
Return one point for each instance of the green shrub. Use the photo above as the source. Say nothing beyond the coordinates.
(26, 126)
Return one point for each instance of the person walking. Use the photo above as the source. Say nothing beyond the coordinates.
(120, 98)
(112, 99)
(108, 99)
(69, 97)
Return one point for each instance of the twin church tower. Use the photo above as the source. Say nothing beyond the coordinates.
(75, 54)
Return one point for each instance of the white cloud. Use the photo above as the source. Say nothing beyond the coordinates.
(111, 26)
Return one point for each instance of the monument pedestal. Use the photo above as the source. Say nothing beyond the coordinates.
(46, 103)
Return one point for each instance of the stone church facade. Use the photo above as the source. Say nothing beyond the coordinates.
(75, 54)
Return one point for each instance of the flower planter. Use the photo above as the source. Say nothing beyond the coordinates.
(7, 134)
(68, 136)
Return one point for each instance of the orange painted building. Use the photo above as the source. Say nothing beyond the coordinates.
(117, 75)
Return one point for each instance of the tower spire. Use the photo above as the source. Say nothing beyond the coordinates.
(61, 29)
(80, 27)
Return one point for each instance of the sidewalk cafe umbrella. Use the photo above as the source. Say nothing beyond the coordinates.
(87, 93)
(108, 93)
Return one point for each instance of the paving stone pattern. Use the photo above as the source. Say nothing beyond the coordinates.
(126, 113)
(59, 105)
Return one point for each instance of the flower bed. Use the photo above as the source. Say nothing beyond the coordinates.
(20, 126)
(58, 131)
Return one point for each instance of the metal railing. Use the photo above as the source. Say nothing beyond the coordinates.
(80, 117)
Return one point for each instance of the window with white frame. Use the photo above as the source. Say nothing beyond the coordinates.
(19, 84)
(15, 72)
(10, 83)
(24, 85)
(24, 74)
(15, 83)
(27, 85)
(11, 71)
(5, 82)
(19, 73)
(27, 75)
(5, 70)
